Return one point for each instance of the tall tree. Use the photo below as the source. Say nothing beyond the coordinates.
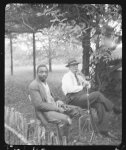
(89, 16)
(31, 18)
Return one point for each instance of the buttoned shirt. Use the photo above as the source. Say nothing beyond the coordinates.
(70, 85)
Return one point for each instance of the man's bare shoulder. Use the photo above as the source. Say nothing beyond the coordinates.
(33, 84)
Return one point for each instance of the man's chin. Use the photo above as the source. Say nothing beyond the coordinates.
(43, 80)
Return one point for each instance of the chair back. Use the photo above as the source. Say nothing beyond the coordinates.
(44, 122)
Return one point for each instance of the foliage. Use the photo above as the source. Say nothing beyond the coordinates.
(101, 59)
(106, 78)
(60, 48)
(26, 17)
(90, 23)
(105, 39)
(91, 17)
(39, 18)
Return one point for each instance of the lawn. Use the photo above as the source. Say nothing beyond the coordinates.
(16, 93)
(16, 88)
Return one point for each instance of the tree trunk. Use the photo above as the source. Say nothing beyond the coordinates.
(97, 65)
(34, 56)
(49, 56)
(86, 53)
(11, 51)
(97, 78)
(50, 65)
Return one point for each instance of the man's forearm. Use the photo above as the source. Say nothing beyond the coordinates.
(74, 89)
(48, 107)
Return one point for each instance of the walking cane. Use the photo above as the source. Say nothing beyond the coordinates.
(90, 117)
(91, 120)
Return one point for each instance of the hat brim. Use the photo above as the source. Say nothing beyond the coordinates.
(72, 64)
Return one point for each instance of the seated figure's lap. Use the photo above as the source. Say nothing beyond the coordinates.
(52, 115)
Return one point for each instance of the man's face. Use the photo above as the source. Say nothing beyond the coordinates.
(43, 73)
(74, 68)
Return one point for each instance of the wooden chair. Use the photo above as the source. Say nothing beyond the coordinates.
(87, 122)
(47, 124)
(87, 125)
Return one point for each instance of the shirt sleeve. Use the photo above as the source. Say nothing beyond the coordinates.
(69, 87)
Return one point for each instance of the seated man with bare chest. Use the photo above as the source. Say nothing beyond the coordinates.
(43, 99)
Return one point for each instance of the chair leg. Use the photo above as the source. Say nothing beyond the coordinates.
(88, 125)
(63, 140)
(59, 135)
(91, 129)
(84, 125)
(93, 123)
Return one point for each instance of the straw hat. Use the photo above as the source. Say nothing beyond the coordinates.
(72, 62)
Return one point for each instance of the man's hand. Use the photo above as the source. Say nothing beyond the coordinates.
(59, 103)
(88, 85)
(61, 110)
(66, 107)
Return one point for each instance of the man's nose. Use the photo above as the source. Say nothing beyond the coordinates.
(44, 73)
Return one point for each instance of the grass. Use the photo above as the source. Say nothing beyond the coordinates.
(16, 88)
(16, 92)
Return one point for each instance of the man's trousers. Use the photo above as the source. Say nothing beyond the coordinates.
(97, 101)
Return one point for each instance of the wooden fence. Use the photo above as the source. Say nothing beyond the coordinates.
(18, 131)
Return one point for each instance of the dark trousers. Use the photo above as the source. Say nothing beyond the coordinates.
(97, 101)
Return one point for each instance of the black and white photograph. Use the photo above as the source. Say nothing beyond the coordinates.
(63, 74)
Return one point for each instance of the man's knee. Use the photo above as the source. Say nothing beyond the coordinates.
(96, 94)
(68, 120)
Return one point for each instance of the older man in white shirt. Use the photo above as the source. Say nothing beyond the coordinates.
(74, 87)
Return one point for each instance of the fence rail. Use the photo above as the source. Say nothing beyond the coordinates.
(18, 131)
(18, 135)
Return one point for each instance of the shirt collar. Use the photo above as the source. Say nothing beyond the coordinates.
(45, 84)
(40, 80)
(71, 72)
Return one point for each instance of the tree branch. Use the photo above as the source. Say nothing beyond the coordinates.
(77, 11)
(26, 24)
